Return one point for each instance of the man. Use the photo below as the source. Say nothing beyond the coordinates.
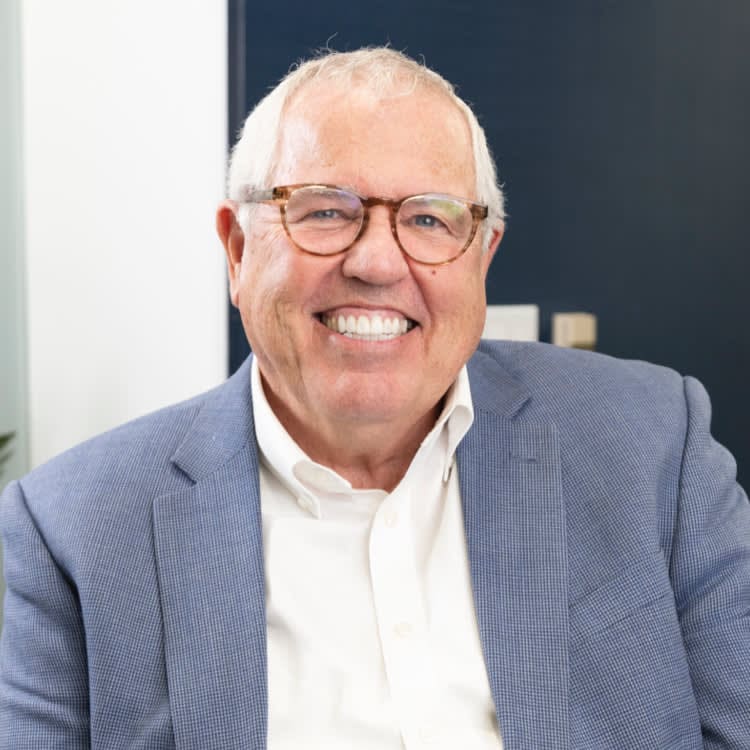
(374, 535)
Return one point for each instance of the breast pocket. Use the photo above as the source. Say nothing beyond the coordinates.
(636, 588)
(630, 684)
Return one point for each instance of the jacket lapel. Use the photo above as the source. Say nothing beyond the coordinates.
(208, 542)
(509, 470)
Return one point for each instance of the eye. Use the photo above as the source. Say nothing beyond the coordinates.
(425, 223)
(325, 213)
(428, 221)
(322, 208)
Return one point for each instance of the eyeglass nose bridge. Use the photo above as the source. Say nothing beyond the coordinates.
(393, 207)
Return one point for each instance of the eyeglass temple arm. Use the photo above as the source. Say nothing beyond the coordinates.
(261, 196)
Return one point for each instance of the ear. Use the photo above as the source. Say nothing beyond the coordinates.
(233, 239)
(489, 254)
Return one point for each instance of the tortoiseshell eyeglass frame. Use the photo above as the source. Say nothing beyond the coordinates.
(280, 195)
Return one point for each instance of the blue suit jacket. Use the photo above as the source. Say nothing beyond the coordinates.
(609, 547)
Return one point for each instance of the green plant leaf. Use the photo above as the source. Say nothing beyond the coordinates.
(4, 441)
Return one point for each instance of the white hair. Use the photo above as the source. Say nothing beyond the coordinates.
(380, 70)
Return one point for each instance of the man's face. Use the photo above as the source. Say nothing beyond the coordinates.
(314, 376)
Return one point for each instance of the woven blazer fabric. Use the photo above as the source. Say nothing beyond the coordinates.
(609, 548)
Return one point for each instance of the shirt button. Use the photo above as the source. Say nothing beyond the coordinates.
(403, 629)
(391, 519)
(426, 735)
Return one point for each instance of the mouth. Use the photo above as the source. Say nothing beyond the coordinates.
(366, 325)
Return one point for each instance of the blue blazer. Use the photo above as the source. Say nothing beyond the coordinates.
(608, 541)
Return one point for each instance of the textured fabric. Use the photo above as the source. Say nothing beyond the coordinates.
(372, 636)
(608, 543)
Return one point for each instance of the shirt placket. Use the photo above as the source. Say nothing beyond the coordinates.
(401, 619)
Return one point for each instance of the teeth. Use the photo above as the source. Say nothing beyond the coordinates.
(367, 328)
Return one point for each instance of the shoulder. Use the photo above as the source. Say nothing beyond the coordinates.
(551, 364)
(109, 482)
(138, 449)
(139, 453)
(611, 415)
(559, 379)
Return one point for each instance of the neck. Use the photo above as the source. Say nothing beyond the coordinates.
(370, 455)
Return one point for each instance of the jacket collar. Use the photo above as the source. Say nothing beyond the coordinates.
(223, 427)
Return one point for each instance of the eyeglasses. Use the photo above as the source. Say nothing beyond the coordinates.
(325, 220)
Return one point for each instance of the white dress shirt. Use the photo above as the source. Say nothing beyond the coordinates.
(372, 636)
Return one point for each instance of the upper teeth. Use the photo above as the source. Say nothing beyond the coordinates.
(372, 328)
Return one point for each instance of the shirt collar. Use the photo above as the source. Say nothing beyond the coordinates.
(305, 478)
(455, 419)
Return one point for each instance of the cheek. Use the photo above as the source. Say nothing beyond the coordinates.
(262, 291)
(277, 285)
(455, 297)
(265, 268)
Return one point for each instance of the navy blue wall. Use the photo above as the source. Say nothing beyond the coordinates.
(622, 134)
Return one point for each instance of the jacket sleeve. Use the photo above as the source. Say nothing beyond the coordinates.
(710, 572)
(43, 674)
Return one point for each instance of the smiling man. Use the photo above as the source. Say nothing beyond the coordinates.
(380, 533)
(314, 269)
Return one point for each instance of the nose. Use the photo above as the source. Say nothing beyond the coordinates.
(375, 257)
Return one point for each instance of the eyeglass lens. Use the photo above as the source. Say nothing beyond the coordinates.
(430, 228)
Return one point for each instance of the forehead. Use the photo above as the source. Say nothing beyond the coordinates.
(394, 145)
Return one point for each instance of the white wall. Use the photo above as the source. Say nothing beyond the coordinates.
(124, 149)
